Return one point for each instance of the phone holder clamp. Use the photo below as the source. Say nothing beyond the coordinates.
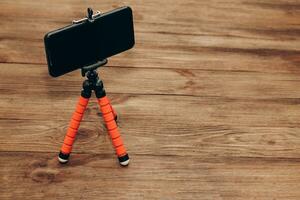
(90, 16)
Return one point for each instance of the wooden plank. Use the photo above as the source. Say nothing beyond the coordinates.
(203, 140)
(233, 84)
(38, 175)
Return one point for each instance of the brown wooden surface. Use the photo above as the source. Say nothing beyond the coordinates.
(208, 103)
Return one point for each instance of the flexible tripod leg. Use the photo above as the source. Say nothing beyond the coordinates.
(109, 117)
(66, 148)
(112, 128)
(72, 130)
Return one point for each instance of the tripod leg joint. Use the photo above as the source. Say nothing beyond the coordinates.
(87, 87)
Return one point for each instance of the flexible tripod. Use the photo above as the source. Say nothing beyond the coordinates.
(109, 115)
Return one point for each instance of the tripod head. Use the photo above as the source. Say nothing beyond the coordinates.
(93, 81)
(92, 67)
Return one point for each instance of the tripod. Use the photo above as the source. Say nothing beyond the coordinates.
(109, 115)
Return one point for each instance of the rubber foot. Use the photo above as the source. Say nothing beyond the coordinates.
(63, 158)
(124, 160)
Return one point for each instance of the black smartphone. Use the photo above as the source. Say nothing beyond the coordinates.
(87, 42)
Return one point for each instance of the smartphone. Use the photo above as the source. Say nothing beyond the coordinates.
(87, 42)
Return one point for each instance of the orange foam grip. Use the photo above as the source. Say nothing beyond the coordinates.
(74, 125)
(109, 118)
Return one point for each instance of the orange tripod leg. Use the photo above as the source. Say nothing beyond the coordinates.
(109, 116)
(72, 130)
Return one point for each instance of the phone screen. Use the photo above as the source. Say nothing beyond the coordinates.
(78, 45)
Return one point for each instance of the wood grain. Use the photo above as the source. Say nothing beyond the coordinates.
(208, 103)
(92, 176)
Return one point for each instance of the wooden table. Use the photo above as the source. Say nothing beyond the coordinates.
(208, 100)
